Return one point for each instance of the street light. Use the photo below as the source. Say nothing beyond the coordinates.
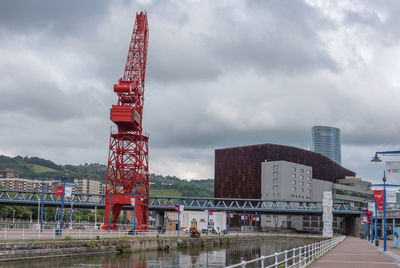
(384, 210)
(376, 158)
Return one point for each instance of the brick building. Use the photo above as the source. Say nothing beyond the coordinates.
(9, 173)
(238, 169)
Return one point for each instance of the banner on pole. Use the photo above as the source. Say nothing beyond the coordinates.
(380, 206)
(68, 191)
(393, 169)
(59, 190)
(133, 202)
(371, 206)
(378, 196)
(391, 196)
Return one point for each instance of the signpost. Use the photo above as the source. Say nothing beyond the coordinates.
(327, 216)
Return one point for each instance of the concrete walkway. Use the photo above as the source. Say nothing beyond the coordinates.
(354, 252)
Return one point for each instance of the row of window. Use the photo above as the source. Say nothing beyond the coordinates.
(301, 197)
(276, 167)
(301, 183)
(276, 174)
(300, 189)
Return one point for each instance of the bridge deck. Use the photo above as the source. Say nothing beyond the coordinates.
(354, 252)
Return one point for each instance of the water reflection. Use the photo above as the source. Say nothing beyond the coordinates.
(246, 249)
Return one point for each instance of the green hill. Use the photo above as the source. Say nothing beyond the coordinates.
(34, 167)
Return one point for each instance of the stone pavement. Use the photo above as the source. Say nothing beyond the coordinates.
(354, 252)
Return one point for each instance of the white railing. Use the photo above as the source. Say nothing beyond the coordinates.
(26, 234)
(296, 257)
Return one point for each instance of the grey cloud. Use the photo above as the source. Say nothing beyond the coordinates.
(62, 17)
(219, 74)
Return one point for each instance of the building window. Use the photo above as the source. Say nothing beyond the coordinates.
(294, 182)
(275, 180)
(301, 190)
(301, 183)
(293, 169)
(301, 177)
(309, 191)
(275, 174)
(294, 189)
(279, 195)
(275, 167)
(308, 171)
(309, 184)
(276, 187)
(308, 178)
(302, 170)
(293, 175)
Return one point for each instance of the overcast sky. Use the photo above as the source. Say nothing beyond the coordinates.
(219, 74)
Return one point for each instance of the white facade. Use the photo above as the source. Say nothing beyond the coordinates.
(284, 180)
(199, 218)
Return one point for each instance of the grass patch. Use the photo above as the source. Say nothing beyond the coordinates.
(165, 192)
(40, 169)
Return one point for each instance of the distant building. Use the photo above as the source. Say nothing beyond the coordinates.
(352, 191)
(326, 141)
(9, 173)
(87, 186)
(284, 180)
(238, 169)
(25, 184)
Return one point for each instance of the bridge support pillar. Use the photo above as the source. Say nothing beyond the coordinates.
(353, 226)
(159, 218)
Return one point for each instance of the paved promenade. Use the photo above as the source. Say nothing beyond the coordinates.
(354, 252)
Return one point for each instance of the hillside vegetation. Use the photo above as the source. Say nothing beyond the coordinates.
(34, 167)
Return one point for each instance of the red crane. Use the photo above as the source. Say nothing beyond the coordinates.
(127, 181)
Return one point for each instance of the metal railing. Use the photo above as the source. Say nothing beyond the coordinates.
(166, 203)
(296, 257)
(29, 234)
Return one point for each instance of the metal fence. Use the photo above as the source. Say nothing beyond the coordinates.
(26, 234)
(296, 257)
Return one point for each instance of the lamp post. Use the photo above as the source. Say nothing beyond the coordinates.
(42, 203)
(63, 182)
(376, 225)
(384, 211)
(377, 159)
(109, 211)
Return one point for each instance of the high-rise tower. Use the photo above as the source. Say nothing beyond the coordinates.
(326, 141)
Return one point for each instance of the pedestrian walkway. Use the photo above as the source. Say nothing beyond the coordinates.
(354, 252)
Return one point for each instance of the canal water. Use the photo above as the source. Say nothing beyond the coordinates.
(245, 250)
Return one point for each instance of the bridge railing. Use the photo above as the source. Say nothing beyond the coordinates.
(166, 203)
(296, 257)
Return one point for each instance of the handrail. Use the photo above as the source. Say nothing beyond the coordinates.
(298, 257)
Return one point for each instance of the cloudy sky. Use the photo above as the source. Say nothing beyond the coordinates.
(219, 74)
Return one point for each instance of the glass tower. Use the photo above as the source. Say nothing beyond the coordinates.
(326, 141)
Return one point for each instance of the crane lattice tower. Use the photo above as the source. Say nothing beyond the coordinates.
(127, 180)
